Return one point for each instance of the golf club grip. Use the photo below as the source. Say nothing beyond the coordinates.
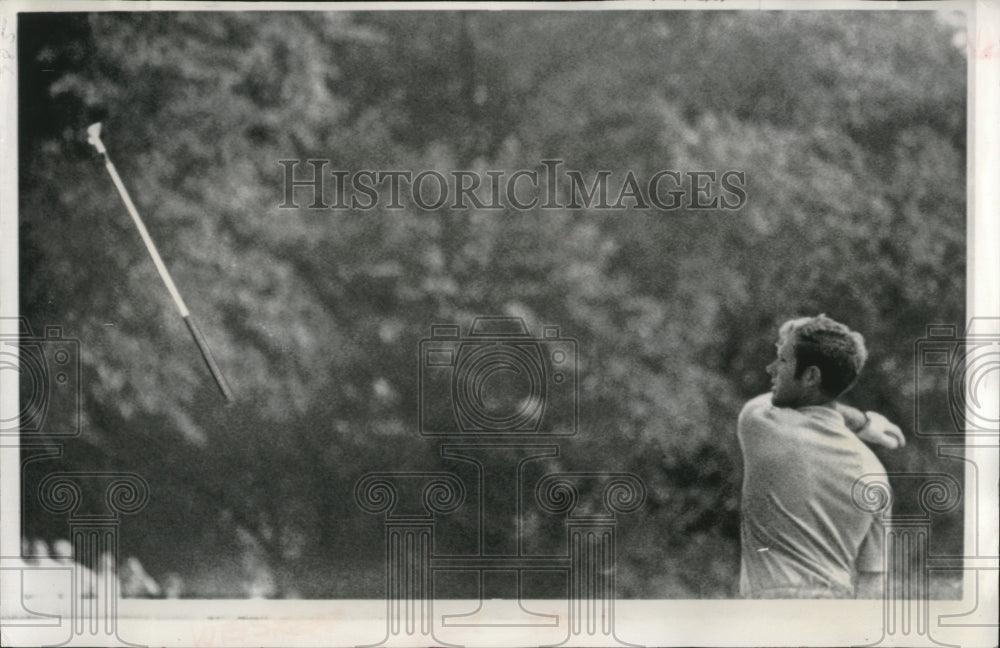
(199, 339)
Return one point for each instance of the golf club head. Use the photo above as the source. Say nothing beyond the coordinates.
(94, 137)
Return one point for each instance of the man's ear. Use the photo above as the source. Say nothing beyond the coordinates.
(812, 376)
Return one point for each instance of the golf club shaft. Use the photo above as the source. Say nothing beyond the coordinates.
(150, 246)
(199, 339)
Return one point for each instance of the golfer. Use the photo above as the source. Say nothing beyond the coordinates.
(802, 536)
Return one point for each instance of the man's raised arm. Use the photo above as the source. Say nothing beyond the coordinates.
(872, 427)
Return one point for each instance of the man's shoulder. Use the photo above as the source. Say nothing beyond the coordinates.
(757, 406)
(761, 411)
(764, 429)
(764, 400)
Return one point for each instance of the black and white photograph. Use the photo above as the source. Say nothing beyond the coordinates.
(486, 324)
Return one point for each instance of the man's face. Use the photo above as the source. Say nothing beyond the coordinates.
(786, 389)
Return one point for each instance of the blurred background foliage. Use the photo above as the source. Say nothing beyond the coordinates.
(850, 128)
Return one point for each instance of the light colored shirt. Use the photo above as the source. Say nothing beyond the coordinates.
(802, 535)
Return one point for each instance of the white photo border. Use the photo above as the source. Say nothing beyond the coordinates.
(970, 621)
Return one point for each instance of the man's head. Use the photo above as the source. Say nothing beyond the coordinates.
(818, 361)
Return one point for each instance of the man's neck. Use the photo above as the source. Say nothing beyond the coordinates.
(819, 400)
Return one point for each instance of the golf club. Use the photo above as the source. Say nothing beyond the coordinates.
(94, 138)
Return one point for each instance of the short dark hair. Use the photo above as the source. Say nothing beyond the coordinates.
(838, 352)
